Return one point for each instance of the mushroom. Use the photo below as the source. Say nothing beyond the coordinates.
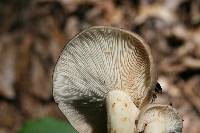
(157, 118)
(102, 78)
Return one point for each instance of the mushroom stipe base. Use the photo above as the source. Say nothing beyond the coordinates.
(121, 112)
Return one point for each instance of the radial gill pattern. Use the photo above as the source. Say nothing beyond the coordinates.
(96, 61)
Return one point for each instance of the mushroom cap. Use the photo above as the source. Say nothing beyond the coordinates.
(94, 62)
(157, 117)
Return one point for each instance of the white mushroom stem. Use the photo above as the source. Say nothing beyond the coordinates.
(121, 112)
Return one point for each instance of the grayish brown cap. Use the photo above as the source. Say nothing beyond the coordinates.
(94, 62)
(157, 118)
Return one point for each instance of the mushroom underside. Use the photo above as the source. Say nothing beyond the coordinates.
(95, 62)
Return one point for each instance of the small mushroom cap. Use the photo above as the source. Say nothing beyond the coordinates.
(156, 118)
(94, 62)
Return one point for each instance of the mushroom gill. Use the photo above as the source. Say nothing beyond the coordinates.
(100, 61)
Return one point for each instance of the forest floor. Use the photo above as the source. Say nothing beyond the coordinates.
(33, 33)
